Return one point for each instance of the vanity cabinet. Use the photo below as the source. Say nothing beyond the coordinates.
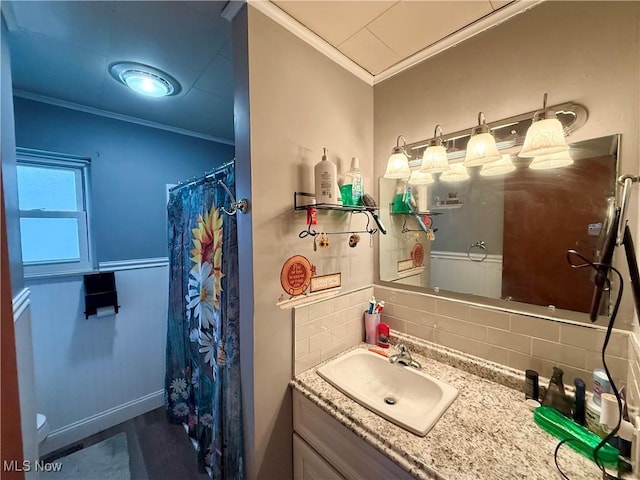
(324, 448)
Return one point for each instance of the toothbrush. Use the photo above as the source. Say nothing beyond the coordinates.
(372, 304)
(379, 307)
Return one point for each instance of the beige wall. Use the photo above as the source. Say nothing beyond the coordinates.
(586, 52)
(300, 101)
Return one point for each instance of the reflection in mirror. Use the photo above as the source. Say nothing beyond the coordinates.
(503, 236)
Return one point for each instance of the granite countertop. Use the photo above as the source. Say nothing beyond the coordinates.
(487, 433)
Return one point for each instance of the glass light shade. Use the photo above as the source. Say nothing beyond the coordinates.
(457, 173)
(481, 149)
(434, 160)
(146, 83)
(499, 167)
(420, 178)
(544, 137)
(397, 166)
(144, 79)
(554, 160)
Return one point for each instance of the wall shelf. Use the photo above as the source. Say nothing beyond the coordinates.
(428, 212)
(300, 204)
(447, 206)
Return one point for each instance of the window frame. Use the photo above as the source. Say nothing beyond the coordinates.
(80, 165)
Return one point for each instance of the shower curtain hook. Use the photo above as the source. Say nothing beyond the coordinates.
(242, 204)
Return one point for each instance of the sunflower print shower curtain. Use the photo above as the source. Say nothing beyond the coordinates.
(202, 383)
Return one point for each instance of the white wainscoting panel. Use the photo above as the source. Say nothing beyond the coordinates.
(26, 383)
(93, 374)
(456, 272)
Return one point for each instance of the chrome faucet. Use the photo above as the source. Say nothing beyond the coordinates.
(403, 357)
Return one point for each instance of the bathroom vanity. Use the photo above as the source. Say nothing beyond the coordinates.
(487, 433)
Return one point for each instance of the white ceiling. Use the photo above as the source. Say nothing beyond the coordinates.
(378, 34)
(61, 50)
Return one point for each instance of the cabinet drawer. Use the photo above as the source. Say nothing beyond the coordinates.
(351, 456)
(308, 465)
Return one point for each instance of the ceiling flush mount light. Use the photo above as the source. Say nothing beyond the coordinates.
(457, 173)
(499, 167)
(420, 178)
(545, 136)
(434, 159)
(398, 163)
(144, 79)
(553, 160)
(482, 148)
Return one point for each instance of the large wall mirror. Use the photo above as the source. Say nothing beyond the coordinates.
(506, 236)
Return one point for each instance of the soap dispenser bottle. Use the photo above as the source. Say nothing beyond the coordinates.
(555, 395)
(326, 174)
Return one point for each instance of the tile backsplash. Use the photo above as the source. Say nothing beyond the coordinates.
(633, 374)
(518, 341)
(327, 327)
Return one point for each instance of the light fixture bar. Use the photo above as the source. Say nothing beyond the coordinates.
(508, 132)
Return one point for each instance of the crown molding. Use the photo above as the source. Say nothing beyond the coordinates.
(490, 20)
(9, 16)
(302, 32)
(231, 9)
(117, 116)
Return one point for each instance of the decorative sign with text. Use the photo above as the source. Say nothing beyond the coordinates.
(326, 282)
(417, 255)
(296, 274)
(404, 265)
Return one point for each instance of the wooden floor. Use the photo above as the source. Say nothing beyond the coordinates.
(157, 449)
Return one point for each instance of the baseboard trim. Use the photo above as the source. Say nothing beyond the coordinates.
(118, 265)
(86, 427)
(20, 303)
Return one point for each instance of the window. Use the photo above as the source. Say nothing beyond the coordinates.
(54, 217)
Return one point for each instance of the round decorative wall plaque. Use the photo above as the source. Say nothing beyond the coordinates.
(417, 255)
(295, 275)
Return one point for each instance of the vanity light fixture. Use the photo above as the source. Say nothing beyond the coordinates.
(553, 160)
(398, 163)
(482, 148)
(420, 178)
(434, 159)
(144, 79)
(499, 167)
(457, 173)
(545, 136)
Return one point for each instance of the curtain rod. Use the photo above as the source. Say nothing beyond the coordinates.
(205, 176)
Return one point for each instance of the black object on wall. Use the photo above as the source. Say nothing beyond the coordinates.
(99, 291)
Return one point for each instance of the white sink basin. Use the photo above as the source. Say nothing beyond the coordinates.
(403, 395)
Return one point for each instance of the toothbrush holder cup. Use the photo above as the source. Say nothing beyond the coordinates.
(371, 322)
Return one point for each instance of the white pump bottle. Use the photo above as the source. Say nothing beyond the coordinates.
(326, 174)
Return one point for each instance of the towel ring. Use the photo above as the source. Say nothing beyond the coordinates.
(480, 245)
